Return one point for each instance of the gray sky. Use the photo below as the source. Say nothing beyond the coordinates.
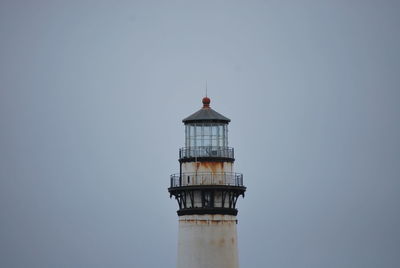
(92, 94)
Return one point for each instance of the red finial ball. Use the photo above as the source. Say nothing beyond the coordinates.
(206, 102)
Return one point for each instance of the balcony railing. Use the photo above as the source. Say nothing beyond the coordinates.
(206, 151)
(203, 178)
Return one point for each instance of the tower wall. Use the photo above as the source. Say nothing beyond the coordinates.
(207, 241)
(209, 167)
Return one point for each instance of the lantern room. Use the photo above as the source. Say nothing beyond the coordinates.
(206, 134)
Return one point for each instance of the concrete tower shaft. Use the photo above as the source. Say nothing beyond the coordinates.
(207, 241)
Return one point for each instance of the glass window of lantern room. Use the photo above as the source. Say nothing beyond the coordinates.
(206, 138)
(186, 136)
(199, 135)
(207, 130)
(214, 135)
(220, 136)
(225, 136)
(192, 136)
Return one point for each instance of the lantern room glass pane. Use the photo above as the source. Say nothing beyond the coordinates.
(206, 131)
(214, 142)
(206, 142)
(186, 136)
(214, 130)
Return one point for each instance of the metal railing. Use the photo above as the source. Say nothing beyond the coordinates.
(206, 178)
(206, 151)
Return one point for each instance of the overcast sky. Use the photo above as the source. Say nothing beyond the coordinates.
(92, 94)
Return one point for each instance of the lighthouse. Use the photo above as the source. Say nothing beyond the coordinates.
(207, 189)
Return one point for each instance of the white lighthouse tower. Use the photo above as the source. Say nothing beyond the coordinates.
(207, 189)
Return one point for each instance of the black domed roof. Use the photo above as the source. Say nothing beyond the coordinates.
(206, 114)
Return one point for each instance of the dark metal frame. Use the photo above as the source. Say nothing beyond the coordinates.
(230, 191)
(185, 198)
